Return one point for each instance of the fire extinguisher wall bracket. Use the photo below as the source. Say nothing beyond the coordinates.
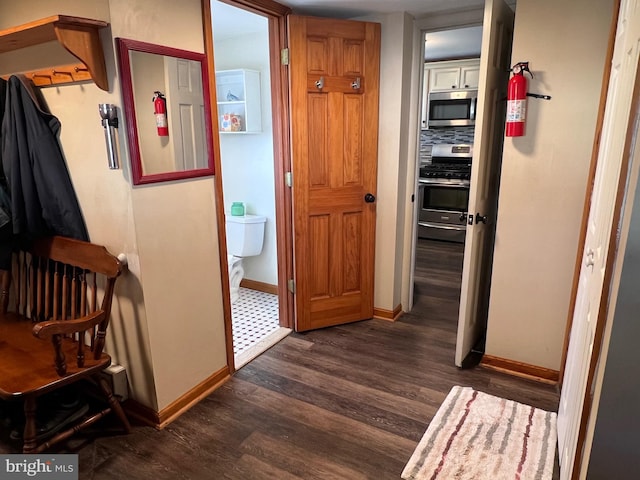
(517, 100)
(160, 112)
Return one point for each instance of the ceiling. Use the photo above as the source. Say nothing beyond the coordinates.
(356, 8)
(450, 44)
(230, 21)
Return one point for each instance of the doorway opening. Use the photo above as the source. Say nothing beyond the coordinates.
(451, 67)
(248, 171)
(488, 78)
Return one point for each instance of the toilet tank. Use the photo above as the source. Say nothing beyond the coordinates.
(245, 235)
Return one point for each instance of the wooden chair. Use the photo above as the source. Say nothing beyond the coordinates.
(52, 331)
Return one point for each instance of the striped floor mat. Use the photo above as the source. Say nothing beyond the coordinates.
(477, 436)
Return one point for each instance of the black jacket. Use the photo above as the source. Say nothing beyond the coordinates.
(41, 195)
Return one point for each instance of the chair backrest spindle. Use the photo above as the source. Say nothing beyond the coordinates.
(57, 279)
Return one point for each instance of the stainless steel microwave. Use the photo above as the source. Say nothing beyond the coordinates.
(452, 109)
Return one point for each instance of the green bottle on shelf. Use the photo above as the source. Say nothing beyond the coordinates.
(237, 209)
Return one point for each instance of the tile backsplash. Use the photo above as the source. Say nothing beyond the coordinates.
(443, 135)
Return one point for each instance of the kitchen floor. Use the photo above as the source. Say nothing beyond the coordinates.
(438, 274)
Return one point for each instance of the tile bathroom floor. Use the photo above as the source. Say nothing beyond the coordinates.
(255, 324)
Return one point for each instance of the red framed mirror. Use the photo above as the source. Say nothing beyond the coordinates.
(167, 111)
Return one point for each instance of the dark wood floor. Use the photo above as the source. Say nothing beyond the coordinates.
(348, 402)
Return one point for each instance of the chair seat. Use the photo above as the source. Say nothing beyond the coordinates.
(19, 348)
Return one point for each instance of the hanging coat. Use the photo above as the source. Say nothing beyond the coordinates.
(41, 195)
(5, 209)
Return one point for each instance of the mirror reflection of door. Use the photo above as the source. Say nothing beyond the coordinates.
(185, 113)
(243, 84)
(180, 81)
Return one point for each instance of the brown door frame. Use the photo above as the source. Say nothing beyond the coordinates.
(277, 18)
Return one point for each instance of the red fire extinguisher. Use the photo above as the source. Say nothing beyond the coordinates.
(517, 100)
(160, 110)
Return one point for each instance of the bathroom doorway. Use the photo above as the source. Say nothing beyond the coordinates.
(248, 171)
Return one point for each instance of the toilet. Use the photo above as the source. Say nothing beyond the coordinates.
(245, 236)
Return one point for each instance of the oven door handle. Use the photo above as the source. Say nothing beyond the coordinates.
(440, 226)
(443, 184)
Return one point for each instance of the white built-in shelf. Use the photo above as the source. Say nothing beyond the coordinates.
(245, 86)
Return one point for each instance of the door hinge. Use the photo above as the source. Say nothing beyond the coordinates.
(291, 284)
(288, 179)
(284, 56)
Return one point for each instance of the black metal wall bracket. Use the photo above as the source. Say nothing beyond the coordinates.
(537, 95)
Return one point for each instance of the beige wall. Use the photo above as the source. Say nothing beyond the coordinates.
(544, 178)
(396, 57)
(168, 320)
(176, 231)
(156, 153)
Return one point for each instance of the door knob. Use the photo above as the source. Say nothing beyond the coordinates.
(463, 216)
(481, 218)
(369, 198)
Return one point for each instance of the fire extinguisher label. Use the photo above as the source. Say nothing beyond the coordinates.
(516, 110)
(161, 120)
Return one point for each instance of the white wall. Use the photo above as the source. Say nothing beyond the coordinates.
(247, 159)
(544, 177)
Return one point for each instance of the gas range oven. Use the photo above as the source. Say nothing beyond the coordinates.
(443, 193)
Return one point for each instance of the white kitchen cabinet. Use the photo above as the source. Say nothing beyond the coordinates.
(454, 74)
(238, 99)
(445, 78)
(470, 76)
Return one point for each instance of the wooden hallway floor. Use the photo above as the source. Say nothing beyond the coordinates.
(348, 402)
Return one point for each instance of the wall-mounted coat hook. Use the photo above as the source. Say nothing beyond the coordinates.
(320, 83)
(57, 72)
(40, 75)
(58, 75)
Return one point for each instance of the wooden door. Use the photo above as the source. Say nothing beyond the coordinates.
(608, 184)
(497, 35)
(334, 78)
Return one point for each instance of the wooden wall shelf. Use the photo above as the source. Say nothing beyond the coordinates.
(79, 36)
